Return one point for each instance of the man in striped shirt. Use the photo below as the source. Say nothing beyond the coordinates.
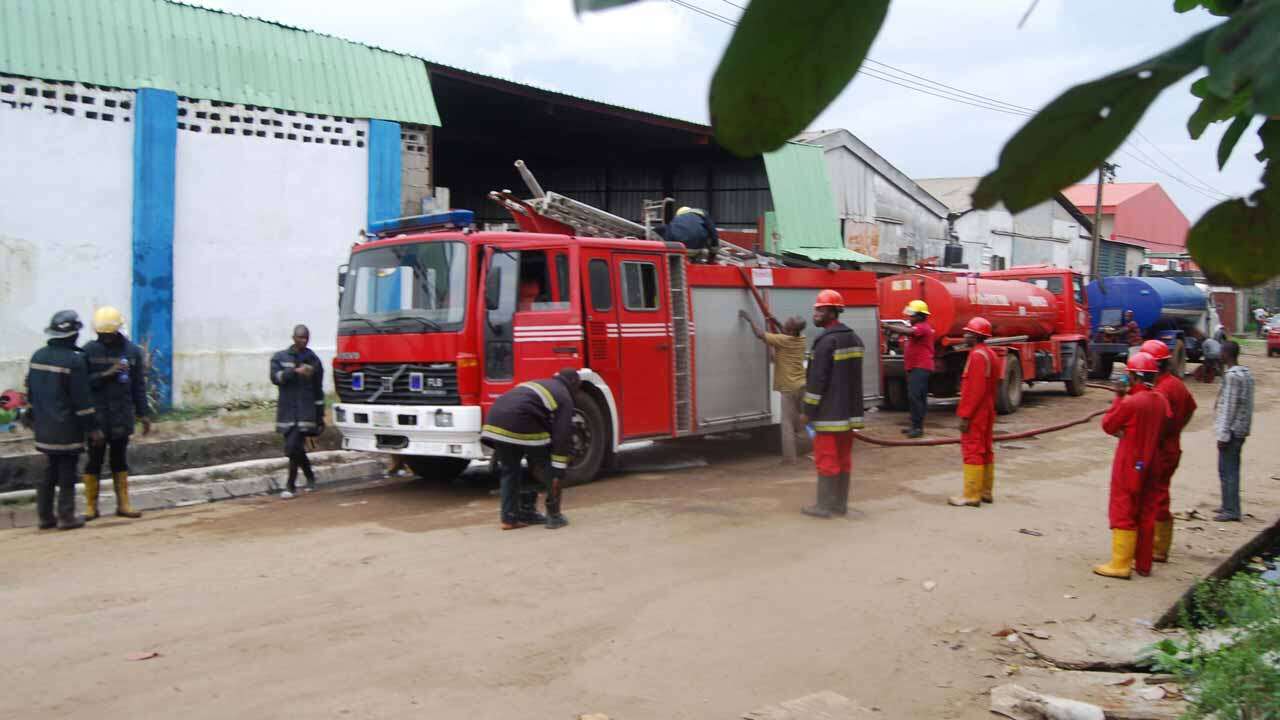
(1233, 416)
(534, 420)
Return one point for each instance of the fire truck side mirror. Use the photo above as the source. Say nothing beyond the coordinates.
(342, 277)
(493, 288)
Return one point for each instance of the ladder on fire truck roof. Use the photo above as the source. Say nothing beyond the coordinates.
(590, 221)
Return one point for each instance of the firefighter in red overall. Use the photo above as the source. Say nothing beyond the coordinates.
(1137, 417)
(977, 413)
(1155, 544)
(833, 403)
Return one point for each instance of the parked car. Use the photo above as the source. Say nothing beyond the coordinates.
(1273, 335)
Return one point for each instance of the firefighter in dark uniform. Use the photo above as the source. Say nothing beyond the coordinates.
(63, 414)
(118, 383)
(533, 420)
(300, 408)
(833, 403)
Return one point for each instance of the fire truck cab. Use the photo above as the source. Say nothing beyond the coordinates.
(437, 321)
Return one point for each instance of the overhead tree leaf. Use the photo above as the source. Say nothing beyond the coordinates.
(581, 6)
(786, 62)
(1221, 8)
(1213, 108)
(1081, 128)
(1231, 137)
(1245, 52)
(1235, 242)
(1185, 5)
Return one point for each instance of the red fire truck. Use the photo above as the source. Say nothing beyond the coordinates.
(1039, 316)
(437, 320)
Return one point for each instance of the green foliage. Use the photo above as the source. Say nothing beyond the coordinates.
(786, 62)
(587, 5)
(1216, 7)
(1229, 664)
(1084, 125)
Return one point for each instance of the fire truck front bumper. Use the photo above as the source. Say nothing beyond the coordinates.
(429, 430)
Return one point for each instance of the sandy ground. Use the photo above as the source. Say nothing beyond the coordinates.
(699, 593)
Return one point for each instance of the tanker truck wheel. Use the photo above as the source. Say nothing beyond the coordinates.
(1009, 394)
(441, 469)
(591, 440)
(1076, 381)
(1100, 367)
(895, 394)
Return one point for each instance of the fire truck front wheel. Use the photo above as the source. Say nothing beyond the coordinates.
(442, 469)
(591, 440)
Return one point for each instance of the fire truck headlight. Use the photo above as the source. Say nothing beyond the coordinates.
(339, 414)
(444, 419)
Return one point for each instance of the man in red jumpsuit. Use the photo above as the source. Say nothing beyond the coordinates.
(1155, 528)
(1137, 417)
(977, 413)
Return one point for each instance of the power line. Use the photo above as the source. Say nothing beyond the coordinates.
(1176, 164)
(918, 83)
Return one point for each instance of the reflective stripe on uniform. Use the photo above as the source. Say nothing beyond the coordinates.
(559, 462)
(279, 376)
(547, 399)
(51, 368)
(319, 402)
(86, 411)
(493, 432)
(300, 423)
(847, 353)
(287, 364)
(830, 425)
(812, 399)
(56, 446)
(856, 423)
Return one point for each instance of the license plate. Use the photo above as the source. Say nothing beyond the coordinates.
(382, 418)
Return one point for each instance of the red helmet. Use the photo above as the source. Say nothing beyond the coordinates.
(979, 326)
(1142, 362)
(829, 298)
(1156, 349)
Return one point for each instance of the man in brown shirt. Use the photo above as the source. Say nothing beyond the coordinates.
(787, 350)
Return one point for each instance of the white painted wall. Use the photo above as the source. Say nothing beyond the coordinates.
(66, 205)
(1043, 234)
(261, 227)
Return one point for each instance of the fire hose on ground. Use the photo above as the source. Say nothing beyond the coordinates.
(998, 438)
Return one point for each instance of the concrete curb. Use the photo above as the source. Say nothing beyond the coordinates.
(209, 484)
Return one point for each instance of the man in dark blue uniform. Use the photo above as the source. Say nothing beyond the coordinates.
(300, 410)
(533, 420)
(63, 414)
(118, 383)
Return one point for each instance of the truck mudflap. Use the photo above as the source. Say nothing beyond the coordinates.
(450, 431)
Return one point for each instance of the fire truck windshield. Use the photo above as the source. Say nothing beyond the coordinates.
(420, 287)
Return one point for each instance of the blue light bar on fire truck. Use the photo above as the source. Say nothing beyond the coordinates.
(447, 220)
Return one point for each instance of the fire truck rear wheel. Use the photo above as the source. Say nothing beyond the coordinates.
(1076, 381)
(895, 394)
(591, 440)
(435, 469)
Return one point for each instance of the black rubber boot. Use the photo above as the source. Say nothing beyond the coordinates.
(822, 508)
(70, 523)
(555, 520)
(528, 513)
(840, 495)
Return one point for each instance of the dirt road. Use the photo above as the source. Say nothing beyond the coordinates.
(699, 593)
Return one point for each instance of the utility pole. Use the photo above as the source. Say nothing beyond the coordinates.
(1106, 173)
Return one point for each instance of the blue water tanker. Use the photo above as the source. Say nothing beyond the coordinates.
(1164, 309)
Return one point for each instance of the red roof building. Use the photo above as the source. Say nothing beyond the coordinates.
(1135, 214)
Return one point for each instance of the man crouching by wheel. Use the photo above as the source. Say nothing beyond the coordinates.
(532, 420)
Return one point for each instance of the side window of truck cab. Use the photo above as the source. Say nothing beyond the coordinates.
(544, 281)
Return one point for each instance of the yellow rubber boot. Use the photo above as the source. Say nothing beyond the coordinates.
(972, 488)
(123, 509)
(988, 483)
(90, 496)
(1124, 543)
(1163, 541)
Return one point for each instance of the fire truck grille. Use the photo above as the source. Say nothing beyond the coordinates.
(408, 384)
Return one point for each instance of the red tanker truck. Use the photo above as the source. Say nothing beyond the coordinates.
(1038, 315)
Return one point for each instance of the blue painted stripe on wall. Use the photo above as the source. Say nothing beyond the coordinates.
(155, 140)
(384, 170)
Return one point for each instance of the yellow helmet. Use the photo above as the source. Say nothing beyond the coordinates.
(683, 210)
(916, 307)
(107, 319)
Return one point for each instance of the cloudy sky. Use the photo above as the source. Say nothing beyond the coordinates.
(659, 55)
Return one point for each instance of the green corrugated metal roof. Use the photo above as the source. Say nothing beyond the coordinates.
(806, 211)
(212, 55)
